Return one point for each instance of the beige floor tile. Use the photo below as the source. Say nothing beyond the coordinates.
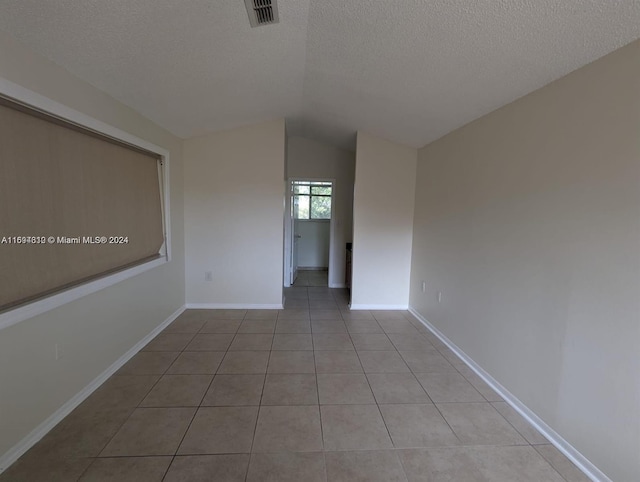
(32, 468)
(344, 389)
(83, 433)
(323, 305)
(289, 314)
(495, 464)
(332, 341)
(296, 293)
(210, 342)
(320, 293)
(287, 467)
(479, 424)
(119, 391)
(389, 315)
(234, 390)
(290, 389)
(325, 314)
(403, 341)
(449, 387)
(257, 326)
(363, 326)
(397, 326)
(149, 363)
(427, 362)
(397, 388)
(328, 326)
(337, 362)
(293, 326)
(454, 359)
(382, 362)
(261, 315)
(296, 304)
(417, 425)
(561, 464)
(196, 363)
(244, 362)
(288, 429)
(127, 469)
(441, 465)
(225, 314)
(479, 384)
(364, 466)
(195, 315)
(221, 326)
(357, 315)
(184, 326)
(178, 391)
(353, 427)
(220, 430)
(150, 431)
(291, 362)
(208, 468)
(251, 342)
(523, 427)
(291, 341)
(371, 341)
(169, 342)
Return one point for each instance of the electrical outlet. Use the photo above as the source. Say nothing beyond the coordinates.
(439, 296)
(424, 286)
(208, 276)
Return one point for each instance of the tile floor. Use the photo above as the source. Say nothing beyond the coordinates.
(317, 278)
(309, 393)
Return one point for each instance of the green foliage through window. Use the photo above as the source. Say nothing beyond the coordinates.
(311, 200)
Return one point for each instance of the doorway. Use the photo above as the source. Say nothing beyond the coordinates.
(308, 241)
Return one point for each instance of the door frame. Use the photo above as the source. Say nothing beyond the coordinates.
(288, 226)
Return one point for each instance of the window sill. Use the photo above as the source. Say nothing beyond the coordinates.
(24, 312)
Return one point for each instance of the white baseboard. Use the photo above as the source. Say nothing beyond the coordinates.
(589, 469)
(233, 306)
(357, 306)
(15, 452)
(337, 285)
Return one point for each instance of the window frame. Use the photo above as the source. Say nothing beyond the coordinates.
(39, 102)
(311, 195)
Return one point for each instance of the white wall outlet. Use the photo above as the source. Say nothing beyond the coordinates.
(439, 296)
(424, 286)
(208, 276)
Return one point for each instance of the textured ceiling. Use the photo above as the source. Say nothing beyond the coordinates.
(406, 70)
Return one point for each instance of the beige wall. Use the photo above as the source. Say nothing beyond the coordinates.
(94, 331)
(312, 159)
(528, 222)
(234, 208)
(382, 223)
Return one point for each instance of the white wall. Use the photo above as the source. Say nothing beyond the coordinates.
(382, 223)
(314, 160)
(234, 205)
(94, 331)
(528, 221)
(313, 245)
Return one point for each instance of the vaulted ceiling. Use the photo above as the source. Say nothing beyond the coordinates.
(406, 70)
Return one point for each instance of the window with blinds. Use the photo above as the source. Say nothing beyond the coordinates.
(75, 205)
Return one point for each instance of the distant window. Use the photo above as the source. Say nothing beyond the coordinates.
(311, 200)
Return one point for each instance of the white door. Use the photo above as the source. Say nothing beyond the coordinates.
(294, 252)
(295, 236)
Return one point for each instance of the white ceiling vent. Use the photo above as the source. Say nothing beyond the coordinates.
(262, 12)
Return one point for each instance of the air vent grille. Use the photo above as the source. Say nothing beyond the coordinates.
(262, 12)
